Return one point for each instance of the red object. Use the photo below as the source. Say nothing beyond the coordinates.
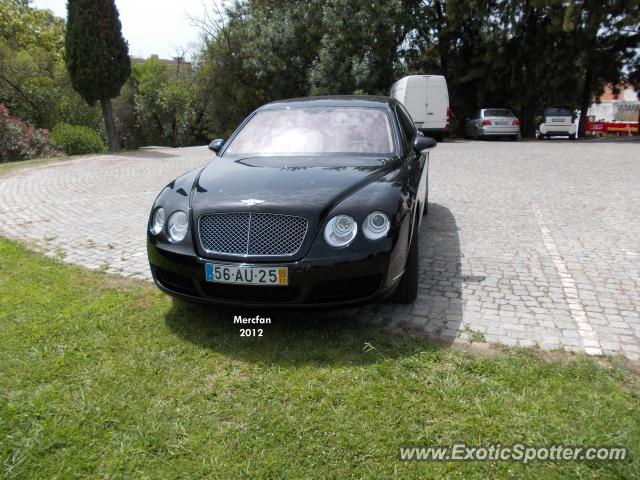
(604, 128)
(516, 122)
(486, 122)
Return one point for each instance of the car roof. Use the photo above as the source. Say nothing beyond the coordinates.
(370, 101)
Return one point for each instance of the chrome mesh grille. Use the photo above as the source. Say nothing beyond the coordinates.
(252, 234)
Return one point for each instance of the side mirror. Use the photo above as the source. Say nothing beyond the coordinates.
(216, 145)
(424, 143)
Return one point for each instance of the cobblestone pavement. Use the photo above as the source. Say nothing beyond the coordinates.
(527, 243)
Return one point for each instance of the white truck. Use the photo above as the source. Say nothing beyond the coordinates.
(426, 97)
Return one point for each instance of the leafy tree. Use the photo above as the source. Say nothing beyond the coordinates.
(33, 80)
(523, 54)
(359, 50)
(288, 34)
(164, 102)
(458, 40)
(126, 116)
(228, 88)
(22, 26)
(97, 56)
(520, 54)
(538, 58)
(607, 37)
(263, 50)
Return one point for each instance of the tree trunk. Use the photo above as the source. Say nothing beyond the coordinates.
(110, 125)
(585, 101)
(529, 80)
(528, 128)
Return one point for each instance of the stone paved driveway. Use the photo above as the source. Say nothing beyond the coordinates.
(526, 243)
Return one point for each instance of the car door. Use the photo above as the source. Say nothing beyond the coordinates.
(417, 162)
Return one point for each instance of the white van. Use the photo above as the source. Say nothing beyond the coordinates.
(427, 99)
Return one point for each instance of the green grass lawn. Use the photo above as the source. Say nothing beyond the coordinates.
(101, 377)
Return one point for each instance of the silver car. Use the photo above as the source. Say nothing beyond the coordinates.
(492, 122)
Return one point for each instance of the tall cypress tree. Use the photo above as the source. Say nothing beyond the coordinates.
(97, 56)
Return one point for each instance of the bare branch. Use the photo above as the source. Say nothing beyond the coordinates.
(211, 22)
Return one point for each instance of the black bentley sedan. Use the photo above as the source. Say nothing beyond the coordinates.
(311, 202)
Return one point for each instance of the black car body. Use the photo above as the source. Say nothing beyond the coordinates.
(264, 218)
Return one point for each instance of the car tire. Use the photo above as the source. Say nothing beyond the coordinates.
(475, 134)
(513, 138)
(572, 137)
(407, 290)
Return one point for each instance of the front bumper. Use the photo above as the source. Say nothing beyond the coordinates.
(312, 283)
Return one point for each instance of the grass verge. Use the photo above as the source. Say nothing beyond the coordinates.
(6, 167)
(107, 378)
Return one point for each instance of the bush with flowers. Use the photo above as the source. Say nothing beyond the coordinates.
(19, 141)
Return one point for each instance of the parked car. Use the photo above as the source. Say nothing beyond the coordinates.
(558, 122)
(313, 201)
(492, 122)
(426, 97)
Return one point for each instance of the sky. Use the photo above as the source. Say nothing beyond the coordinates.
(150, 26)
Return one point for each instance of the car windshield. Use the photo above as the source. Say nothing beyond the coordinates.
(315, 130)
(557, 112)
(498, 112)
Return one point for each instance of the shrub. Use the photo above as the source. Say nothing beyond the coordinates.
(77, 139)
(19, 141)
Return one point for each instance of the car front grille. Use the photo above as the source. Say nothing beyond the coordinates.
(252, 234)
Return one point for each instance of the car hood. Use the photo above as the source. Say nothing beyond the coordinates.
(305, 186)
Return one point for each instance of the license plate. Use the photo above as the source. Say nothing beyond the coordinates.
(246, 275)
(501, 123)
(557, 120)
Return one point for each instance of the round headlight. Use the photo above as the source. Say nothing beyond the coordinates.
(375, 226)
(340, 231)
(157, 222)
(177, 226)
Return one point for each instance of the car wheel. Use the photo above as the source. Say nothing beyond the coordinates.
(513, 138)
(407, 290)
(572, 137)
(475, 134)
